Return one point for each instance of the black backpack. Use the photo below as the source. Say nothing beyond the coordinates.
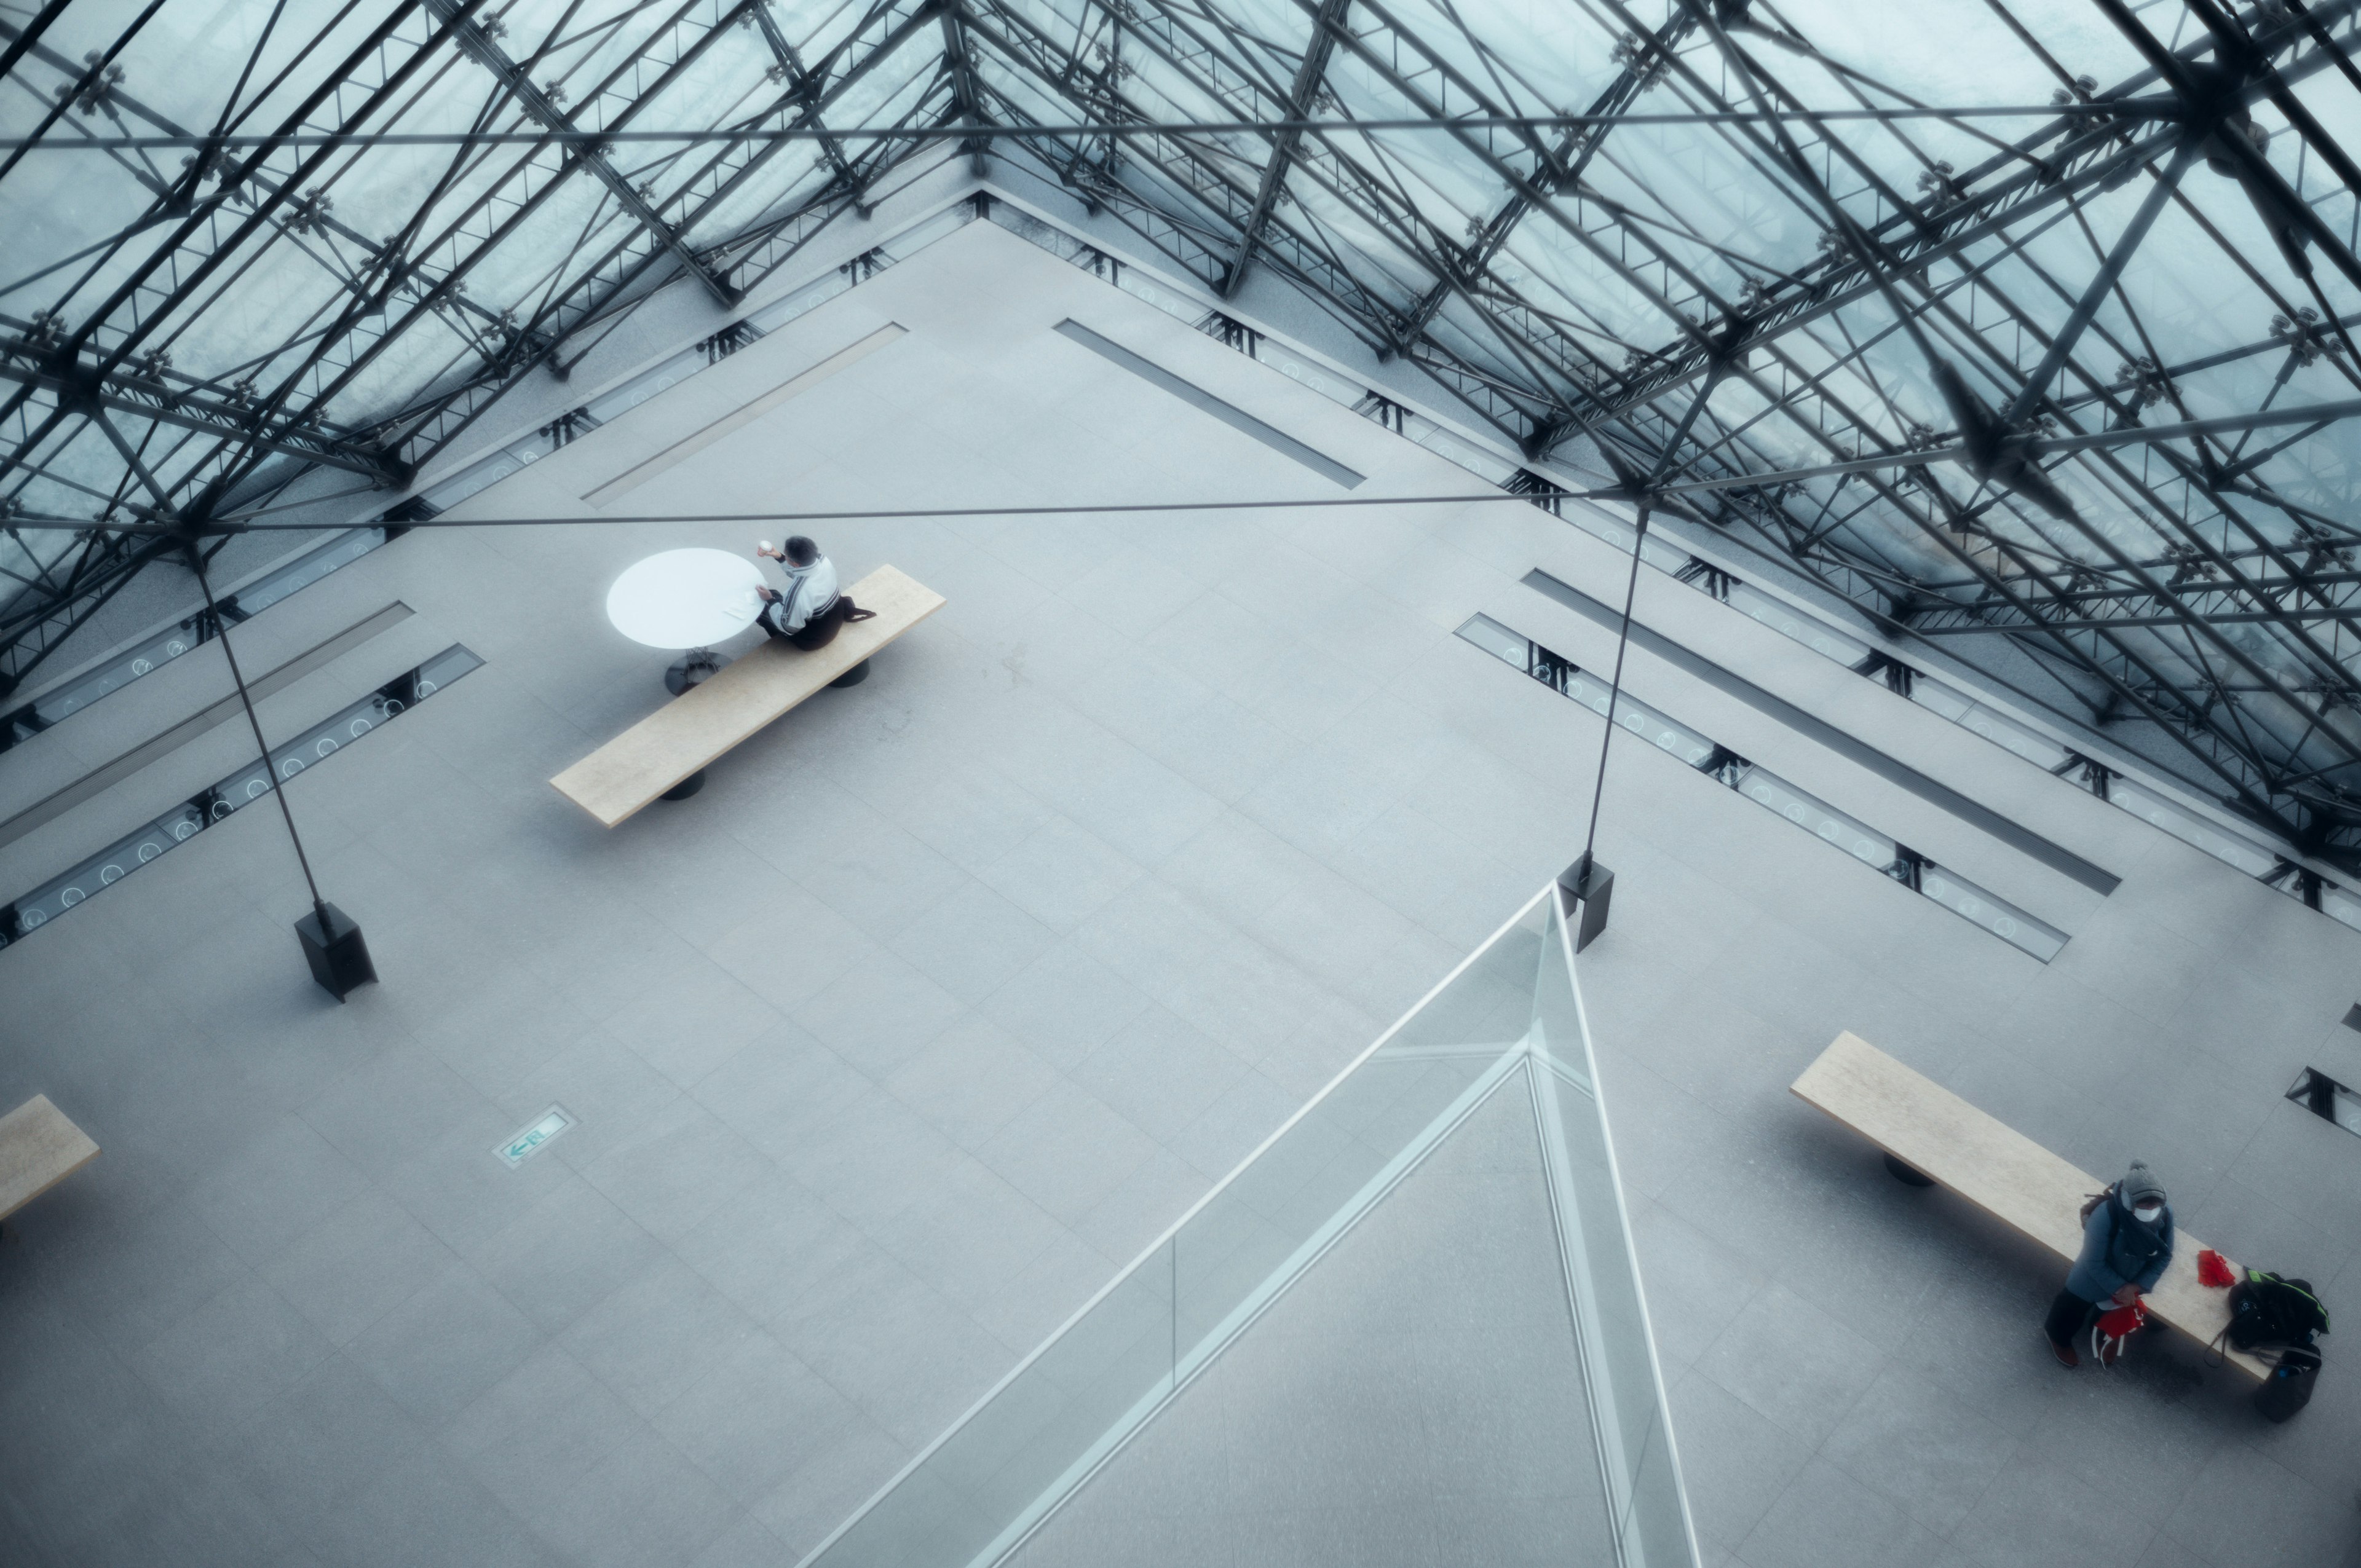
(2266, 1309)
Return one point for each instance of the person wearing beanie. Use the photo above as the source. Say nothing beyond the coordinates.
(2126, 1244)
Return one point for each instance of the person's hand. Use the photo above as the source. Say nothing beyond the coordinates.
(769, 595)
(2128, 1295)
(770, 554)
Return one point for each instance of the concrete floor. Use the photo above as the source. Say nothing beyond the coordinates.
(949, 993)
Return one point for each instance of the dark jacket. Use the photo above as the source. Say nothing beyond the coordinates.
(2119, 1250)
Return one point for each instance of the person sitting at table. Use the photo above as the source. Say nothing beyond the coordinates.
(808, 614)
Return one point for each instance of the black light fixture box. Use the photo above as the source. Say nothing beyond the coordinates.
(338, 956)
(1589, 887)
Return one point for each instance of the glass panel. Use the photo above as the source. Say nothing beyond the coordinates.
(984, 1486)
(1277, 1212)
(1626, 1395)
(1037, 1435)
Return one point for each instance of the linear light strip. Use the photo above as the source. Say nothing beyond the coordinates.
(665, 374)
(1196, 397)
(2149, 804)
(1880, 852)
(249, 783)
(192, 631)
(754, 408)
(2327, 1098)
(58, 802)
(1933, 790)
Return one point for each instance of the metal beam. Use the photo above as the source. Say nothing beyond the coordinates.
(1303, 94)
(536, 103)
(1567, 161)
(961, 67)
(77, 383)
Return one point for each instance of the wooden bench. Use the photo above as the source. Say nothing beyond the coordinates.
(38, 1148)
(676, 742)
(1933, 1133)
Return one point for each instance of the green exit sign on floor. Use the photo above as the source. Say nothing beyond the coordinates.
(514, 1149)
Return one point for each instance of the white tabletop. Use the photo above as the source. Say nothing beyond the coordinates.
(686, 599)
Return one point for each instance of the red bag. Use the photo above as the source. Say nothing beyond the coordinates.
(2121, 1323)
(2115, 1326)
(2213, 1269)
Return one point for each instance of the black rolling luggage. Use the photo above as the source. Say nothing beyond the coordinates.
(2289, 1388)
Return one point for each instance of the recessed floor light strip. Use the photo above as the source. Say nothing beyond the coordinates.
(1880, 851)
(2150, 805)
(668, 373)
(2154, 806)
(2327, 1098)
(2057, 857)
(249, 783)
(1152, 288)
(745, 413)
(1188, 392)
(107, 775)
(192, 631)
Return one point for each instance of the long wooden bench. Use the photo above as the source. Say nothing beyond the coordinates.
(40, 1148)
(675, 742)
(1933, 1132)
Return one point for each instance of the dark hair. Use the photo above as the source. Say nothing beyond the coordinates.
(802, 551)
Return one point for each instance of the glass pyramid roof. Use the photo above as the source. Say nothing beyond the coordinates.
(2024, 329)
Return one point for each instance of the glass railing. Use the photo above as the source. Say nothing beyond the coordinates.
(1625, 1386)
(1510, 1010)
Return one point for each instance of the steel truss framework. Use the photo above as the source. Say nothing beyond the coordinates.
(2034, 387)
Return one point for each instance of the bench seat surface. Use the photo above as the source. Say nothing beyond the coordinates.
(38, 1148)
(1997, 1168)
(709, 719)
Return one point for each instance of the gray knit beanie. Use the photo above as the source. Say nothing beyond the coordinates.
(2140, 1185)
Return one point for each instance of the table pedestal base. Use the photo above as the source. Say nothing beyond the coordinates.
(853, 676)
(691, 669)
(686, 786)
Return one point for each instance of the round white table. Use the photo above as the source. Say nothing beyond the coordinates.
(686, 598)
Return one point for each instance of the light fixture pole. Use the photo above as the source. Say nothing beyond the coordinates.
(332, 940)
(1585, 884)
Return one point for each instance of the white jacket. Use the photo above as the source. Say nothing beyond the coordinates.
(811, 592)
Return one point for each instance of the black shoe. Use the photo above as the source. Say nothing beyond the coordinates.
(2064, 1352)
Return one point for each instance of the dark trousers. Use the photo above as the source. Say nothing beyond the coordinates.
(817, 633)
(2068, 1314)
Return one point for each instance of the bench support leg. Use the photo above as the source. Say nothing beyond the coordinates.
(1904, 1174)
(853, 676)
(686, 786)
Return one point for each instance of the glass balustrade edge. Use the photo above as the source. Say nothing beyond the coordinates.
(1165, 1239)
(1545, 1061)
(1189, 1363)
